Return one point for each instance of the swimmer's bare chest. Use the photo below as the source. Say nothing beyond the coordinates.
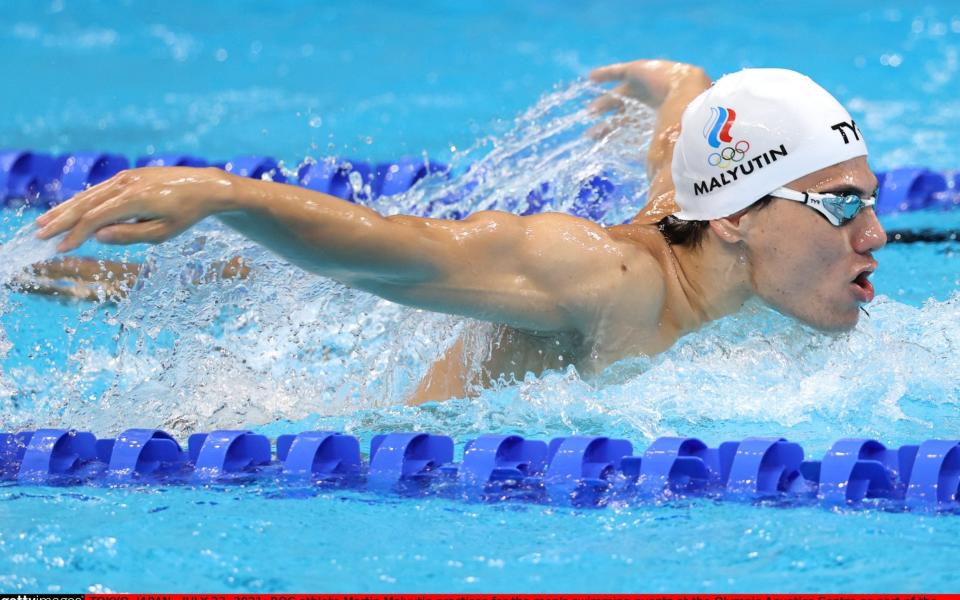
(512, 353)
(516, 353)
(620, 330)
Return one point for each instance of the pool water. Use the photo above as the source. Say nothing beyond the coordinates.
(494, 84)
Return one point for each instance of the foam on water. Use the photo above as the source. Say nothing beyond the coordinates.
(282, 346)
(23, 250)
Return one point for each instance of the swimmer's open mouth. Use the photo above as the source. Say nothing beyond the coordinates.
(863, 287)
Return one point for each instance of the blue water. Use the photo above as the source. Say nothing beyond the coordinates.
(283, 353)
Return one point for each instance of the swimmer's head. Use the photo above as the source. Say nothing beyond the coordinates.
(760, 130)
(801, 264)
(752, 132)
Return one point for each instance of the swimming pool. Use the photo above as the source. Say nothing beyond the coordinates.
(283, 354)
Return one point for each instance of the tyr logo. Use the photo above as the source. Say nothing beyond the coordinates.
(852, 126)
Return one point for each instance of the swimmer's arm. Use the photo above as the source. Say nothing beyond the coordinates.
(77, 277)
(539, 273)
(96, 279)
(549, 272)
(545, 272)
(87, 270)
(667, 87)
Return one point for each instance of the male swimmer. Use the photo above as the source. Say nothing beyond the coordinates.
(759, 188)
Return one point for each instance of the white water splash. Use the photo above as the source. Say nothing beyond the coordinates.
(24, 249)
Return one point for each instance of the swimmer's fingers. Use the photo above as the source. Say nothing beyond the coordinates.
(614, 102)
(123, 207)
(88, 197)
(602, 130)
(598, 132)
(65, 216)
(609, 73)
(607, 127)
(151, 232)
(648, 81)
(606, 103)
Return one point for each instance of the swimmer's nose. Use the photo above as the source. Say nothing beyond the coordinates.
(868, 233)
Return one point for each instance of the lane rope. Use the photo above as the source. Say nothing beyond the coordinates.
(575, 470)
(42, 180)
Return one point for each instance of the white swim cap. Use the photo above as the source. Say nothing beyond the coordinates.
(752, 132)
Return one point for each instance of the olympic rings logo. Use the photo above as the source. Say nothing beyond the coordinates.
(729, 155)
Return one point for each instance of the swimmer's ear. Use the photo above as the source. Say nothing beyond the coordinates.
(731, 229)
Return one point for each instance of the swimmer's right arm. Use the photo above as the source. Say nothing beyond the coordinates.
(545, 272)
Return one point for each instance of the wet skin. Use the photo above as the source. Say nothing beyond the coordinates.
(564, 290)
(786, 254)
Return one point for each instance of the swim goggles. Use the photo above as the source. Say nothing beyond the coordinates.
(839, 210)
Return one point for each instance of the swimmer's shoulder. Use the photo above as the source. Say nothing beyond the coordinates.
(648, 256)
(600, 276)
(646, 235)
(590, 265)
(645, 242)
(603, 251)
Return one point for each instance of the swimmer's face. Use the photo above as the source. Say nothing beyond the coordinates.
(805, 267)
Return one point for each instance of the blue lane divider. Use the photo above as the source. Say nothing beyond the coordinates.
(142, 452)
(917, 188)
(407, 456)
(227, 452)
(320, 454)
(581, 468)
(758, 467)
(398, 177)
(12, 448)
(350, 181)
(855, 469)
(52, 452)
(935, 475)
(574, 470)
(43, 179)
(255, 167)
(357, 180)
(25, 176)
(499, 459)
(679, 465)
(316, 176)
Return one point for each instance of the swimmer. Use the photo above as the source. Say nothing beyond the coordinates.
(759, 189)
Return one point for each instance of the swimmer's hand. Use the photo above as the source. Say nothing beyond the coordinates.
(648, 81)
(141, 205)
(668, 87)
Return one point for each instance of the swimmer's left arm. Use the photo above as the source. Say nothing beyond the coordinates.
(668, 87)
